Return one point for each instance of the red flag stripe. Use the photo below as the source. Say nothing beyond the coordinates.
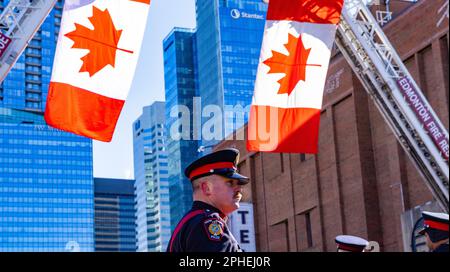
(82, 112)
(306, 11)
(290, 130)
(142, 1)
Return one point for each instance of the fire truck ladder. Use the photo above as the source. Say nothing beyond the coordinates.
(19, 22)
(397, 96)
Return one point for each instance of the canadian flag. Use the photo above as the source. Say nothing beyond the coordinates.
(96, 56)
(295, 53)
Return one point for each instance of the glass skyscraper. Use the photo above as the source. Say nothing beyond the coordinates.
(46, 184)
(151, 175)
(228, 41)
(115, 215)
(179, 75)
(46, 194)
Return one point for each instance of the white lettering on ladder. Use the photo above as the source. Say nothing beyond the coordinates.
(415, 100)
(424, 114)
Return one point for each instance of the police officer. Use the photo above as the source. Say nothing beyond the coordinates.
(436, 231)
(350, 243)
(217, 191)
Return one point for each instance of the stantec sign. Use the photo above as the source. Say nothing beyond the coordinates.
(236, 14)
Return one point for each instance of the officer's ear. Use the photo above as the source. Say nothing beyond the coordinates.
(206, 187)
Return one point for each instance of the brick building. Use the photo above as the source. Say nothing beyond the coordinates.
(361, 181)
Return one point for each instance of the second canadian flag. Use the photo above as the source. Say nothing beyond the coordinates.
(295, 53)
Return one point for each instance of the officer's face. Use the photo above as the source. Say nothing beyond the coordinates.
(225, 193)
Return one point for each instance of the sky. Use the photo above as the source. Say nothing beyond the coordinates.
(115, 159)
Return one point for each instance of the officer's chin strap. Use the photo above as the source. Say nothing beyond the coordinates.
(373, 246)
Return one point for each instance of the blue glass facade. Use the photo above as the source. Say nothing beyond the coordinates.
(180, 89)
(46, 190)
(228, 39)
(152, 183)
(46, 183)
(115, 215)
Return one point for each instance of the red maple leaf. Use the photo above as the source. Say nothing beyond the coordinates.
(101, 41)
(293, 65)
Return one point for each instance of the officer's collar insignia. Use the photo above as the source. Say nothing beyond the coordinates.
(214, 229)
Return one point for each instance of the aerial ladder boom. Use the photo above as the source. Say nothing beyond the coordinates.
(19, 21)
(397, 96)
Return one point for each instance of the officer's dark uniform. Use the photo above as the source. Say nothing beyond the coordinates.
(436, 226)
(442, 248)
(350, 243)
(204, 228)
